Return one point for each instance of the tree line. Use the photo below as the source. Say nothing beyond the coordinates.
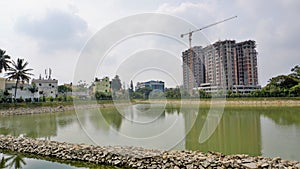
(15, 70)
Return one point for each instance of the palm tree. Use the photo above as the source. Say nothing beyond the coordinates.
(19, 72)
(17, 161)
(4, 61)
(33, 88)
(3, 162)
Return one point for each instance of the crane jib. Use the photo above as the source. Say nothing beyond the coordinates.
(191, 32)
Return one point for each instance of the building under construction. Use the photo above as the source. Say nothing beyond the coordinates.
(224, 63)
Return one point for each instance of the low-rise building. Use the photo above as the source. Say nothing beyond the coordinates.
(102, 85)
(46, 87)
(22, 90)
(152, 84)
(243, 89)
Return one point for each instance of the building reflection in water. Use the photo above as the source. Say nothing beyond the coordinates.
(237, 133)
(34, 126)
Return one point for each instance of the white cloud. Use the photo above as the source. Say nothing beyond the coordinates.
(57, 30)
(31, 27)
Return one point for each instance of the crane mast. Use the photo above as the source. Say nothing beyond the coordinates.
(190, 58)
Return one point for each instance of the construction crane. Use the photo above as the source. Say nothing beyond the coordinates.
(191, 84)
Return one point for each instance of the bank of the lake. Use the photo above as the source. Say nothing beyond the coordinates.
(51, 108)
(37, 108)
(136, 157)
(229, 101)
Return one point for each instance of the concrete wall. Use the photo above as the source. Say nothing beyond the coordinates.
(2, 83)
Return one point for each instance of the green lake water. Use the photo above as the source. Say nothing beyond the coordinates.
(267, 131)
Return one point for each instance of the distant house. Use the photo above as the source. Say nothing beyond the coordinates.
(152, 84)
(46, 87)
(22, 90)
(102, 85)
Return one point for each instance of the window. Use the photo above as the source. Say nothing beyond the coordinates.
(51, 91)
(50, 84)
(40, 84)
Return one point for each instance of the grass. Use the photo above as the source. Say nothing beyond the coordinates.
(50, 104)
(67, 103)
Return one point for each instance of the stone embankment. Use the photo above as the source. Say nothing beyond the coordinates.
(49, 109)
(135, 157)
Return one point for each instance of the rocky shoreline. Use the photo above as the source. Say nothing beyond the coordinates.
(136, 157)
(50, 109)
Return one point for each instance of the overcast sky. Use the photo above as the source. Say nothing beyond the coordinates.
(52, 33)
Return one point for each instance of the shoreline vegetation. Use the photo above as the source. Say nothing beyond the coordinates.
(51, 107)
(137, 157)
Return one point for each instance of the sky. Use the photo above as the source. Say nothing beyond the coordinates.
(57, 34)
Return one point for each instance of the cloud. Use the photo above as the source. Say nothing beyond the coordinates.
(272, 24)
(196, 12)
(56, 30)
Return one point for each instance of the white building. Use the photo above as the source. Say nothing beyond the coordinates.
(46, 87)
(23, 92)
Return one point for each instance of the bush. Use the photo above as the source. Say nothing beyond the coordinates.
(28, 100)
(20, 100)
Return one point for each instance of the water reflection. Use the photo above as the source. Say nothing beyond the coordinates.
(3, 162)
(290, 116)
(13, 161)
(133, 126)
(110, 118)
(36, 126)
(237, 132)
(249, 130)
(18, 161)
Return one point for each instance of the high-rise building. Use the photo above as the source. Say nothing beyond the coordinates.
(219, 63)
(197, 71)
(246, 63)
(224, 63)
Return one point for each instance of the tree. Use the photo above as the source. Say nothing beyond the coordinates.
(33, 88)
(3, 162)
(144, 91)
(19, 72)
(64, 89)
(131, 85)
(17, 161)
(4, 61)
(296, 72)
(295, 90)
(116, 84)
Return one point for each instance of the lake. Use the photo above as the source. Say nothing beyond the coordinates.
(255, 130)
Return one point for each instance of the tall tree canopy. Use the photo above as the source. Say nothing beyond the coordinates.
(19, 72)
(116, 84)
(4, 61)
(295, 72)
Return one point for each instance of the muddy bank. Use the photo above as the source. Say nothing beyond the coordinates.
(136, 157)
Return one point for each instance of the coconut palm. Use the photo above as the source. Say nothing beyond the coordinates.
(4, 61)
(19, 72)
(33, 88)
(17, 161)
(3, 162)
